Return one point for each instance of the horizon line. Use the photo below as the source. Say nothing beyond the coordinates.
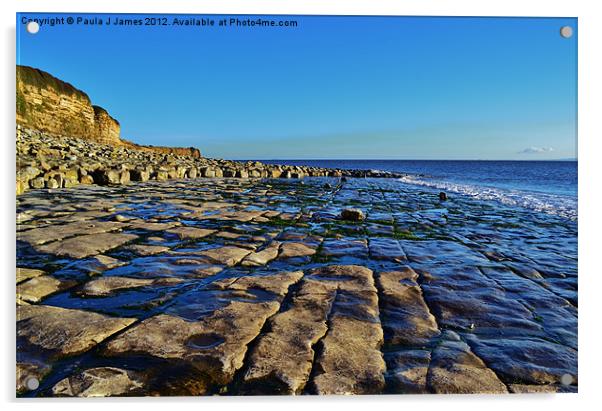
(391, 159)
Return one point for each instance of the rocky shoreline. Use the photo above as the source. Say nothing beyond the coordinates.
(206, 286)
(50, 161)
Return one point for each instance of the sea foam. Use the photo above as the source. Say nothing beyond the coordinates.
(563, 206)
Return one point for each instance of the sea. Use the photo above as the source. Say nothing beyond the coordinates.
(541, 186)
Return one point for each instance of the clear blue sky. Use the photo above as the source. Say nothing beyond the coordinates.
(332, 87)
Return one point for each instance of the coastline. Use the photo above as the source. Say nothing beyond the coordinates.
(51, 161)
(204, 286)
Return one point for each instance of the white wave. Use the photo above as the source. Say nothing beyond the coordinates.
(552, 204)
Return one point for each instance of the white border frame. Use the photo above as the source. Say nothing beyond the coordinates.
(590, 33)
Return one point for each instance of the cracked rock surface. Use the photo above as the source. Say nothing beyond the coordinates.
(232, 286)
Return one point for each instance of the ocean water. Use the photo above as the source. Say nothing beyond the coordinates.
(542, 186)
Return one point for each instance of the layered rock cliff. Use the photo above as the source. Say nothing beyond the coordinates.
(50, 105)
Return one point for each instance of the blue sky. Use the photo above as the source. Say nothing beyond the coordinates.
(332, 87)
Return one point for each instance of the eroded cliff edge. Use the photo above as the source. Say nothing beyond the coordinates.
(52, 106)
(62, 140)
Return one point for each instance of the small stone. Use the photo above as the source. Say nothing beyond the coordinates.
(352, 214)
(52, 183)
(86, 179)
(37, 182)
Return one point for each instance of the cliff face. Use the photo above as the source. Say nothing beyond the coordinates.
(48, 104)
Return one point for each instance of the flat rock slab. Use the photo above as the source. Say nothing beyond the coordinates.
(151, 226)
(190, 233)
(386, 249)
(345, 247)
(277, 284)
(65, 332)
(215, 347)
(87, 245)
(228, 255)
(350, 361)
(99, 382)
(35, 289)
(97, 264)
(439, 251)
(541, 389)
(272, 368)
(282, 359)
(405, 316)
(262, 257)
(214, 269)
(105, 286)
(462, 297)
(526, 360)
(454, 369)
(146, 250)
(59, 231)
(407, 371)
(292, 249)
(27, 273)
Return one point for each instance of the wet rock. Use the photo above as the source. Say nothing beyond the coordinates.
(527, 360)
(350, 361)
(99, 382)
(291, 249)
(352, 214)
(190, 233)
(407, 371)
(214, 347)
(27, 273)
(262, 257)
(146, 250)
(454, 369)
(86, 245)
(28, 370)
(277, 284)
(541, 389)
(109, 285)
(386, 249)
(60, 231)
(150, 226)
(228, 255)
(272, 369)
(99, 263)
(345, 247)
(62, 331)
(35, 289)
(405, 316)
